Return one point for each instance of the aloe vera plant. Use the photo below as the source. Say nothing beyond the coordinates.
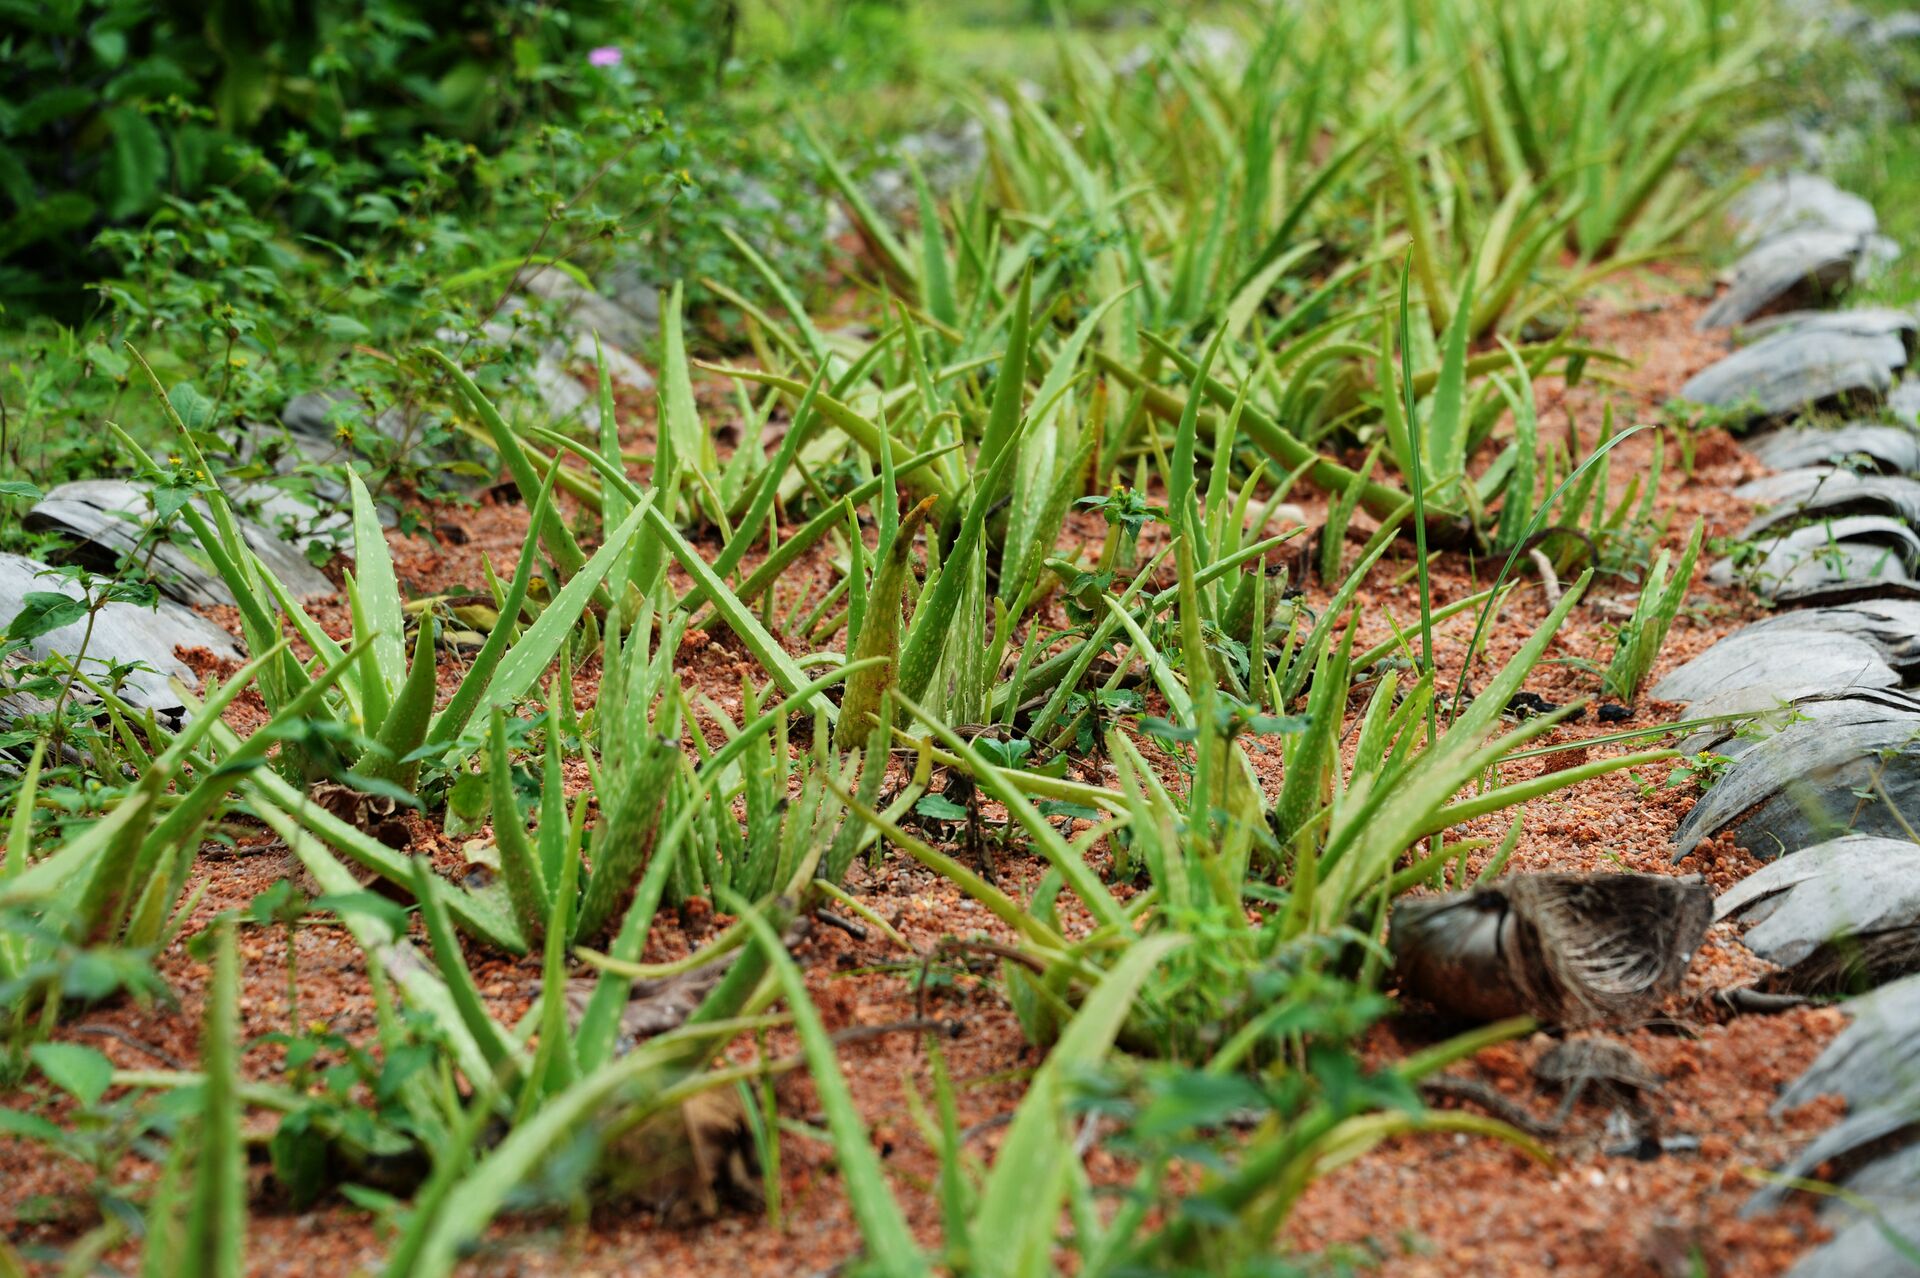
(1661, 597)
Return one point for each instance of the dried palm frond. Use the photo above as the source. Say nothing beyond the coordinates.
(1566, 948)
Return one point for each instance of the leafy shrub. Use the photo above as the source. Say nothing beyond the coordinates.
(115, 106)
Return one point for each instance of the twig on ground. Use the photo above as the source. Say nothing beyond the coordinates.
(1549, 579)
(108, 1031)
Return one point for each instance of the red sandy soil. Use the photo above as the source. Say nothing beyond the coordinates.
(1425, 1205)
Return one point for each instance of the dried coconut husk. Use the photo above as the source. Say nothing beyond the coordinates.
(1568, 949)
(687, 1162)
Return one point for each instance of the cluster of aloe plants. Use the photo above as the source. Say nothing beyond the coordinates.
(1046, 481)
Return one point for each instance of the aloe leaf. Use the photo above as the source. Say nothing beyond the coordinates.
(1020, 1204)
(936, 277)
(393, 955)
(522, 665)
(379, 589)
(452, 719)
(933, 617)
(525, 880)
(863, 431)
(389, 758)
(889, 1245)
(880, 633)
(766, 649)
(553, 530)
(495, 1046)
(1445, 454)
(217, 1218)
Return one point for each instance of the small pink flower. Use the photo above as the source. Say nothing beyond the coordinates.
(604, 56)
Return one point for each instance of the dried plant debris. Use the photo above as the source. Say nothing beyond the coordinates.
(1802, 360)
(658, 1004)
(653, 1006)
(1570, 949)
(684, 1163)
(123, 634)
(111, 521)
(589, 312)
(1801, 267)
(377, 815)
(1840, 915)
(1838, 561)
(1596, 1061)
(1847, 763)
(1759, 668)
(1892, 450)
(1823, 493)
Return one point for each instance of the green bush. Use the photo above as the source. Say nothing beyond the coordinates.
(116, 105)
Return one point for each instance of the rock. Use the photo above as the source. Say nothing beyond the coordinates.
(636, 293)
(1803, 784)
(1802, 267)
(1801, 361)
(1887, 1183)
(1836, 17)
(324, 432)
(561, 394)
(1786, 485)
(1219, 48)
(107, 518)
(1780, 143)
(1874, 1060)
(1860, 557)
(622, 367)
(1894, 28)
(1892, 450)
(319, 415)
(123, 633)
(1799, 201)
(1835, 916)
(1826, 493)
(1759, 668)
(585, 312)
(1567, 948)
(1861, 321)
(948, 158)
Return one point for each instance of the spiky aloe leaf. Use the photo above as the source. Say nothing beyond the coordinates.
(501, 1054)
(379, 591)
(217, 1223)
(890, 1247)
(408, 719)
(880, 633)
(560, 543)
(638, 760)
(519, 867)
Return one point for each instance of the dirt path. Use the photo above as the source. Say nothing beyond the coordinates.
(1432, 1205)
